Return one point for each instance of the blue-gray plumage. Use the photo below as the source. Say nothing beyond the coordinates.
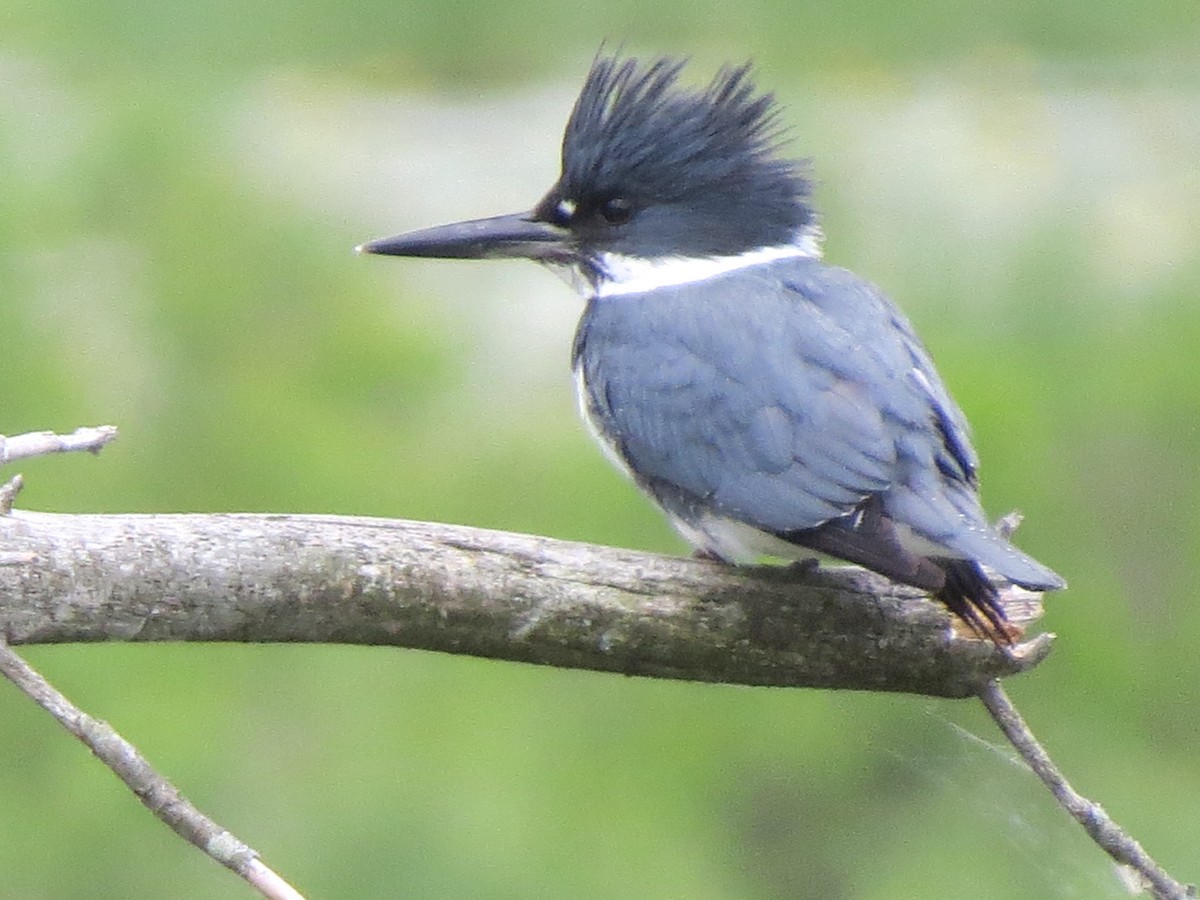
(785, 403)
(767, 401)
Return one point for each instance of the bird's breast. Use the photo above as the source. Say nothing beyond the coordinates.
(595, 422)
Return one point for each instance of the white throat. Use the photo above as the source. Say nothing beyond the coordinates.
(636, 274)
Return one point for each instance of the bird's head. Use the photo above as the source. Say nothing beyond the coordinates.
(654, 175)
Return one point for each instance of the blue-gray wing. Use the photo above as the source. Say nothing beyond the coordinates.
(781, 397)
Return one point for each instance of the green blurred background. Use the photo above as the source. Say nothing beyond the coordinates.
(180, 189)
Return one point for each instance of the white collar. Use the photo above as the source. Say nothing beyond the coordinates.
(637, 275)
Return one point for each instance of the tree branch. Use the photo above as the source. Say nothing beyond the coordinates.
(158, 794)
(1107, 834)
(462, 590)
(261, 578)
(40, 443)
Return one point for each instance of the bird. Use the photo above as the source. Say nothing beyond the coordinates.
(770, 403)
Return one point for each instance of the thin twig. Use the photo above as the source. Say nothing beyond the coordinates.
(8, 493)
(39, 443)
(1111, 838)
(159, 795)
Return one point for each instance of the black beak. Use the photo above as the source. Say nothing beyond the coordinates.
(500, 237)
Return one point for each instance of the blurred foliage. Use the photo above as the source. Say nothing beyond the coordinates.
(181, 187)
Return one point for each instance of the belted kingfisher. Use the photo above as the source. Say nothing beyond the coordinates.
(770, 403)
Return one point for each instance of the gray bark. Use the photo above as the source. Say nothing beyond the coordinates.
(265, 578)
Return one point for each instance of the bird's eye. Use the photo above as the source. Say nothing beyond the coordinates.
(564, 211)
(616, 211)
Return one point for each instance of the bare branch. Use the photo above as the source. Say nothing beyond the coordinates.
(331, 579)
(1111, 838)
(158, 794)
(8, 493)
(259, 578)
(40, 443)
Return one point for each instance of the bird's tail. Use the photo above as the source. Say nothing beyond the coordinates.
(969, 594)
(959, 583)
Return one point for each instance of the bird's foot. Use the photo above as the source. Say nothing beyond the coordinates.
(806, 566)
